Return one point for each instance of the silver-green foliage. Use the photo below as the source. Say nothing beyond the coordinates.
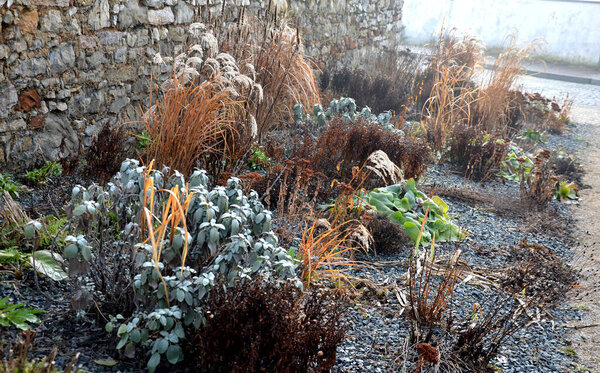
(229, 235)
(346, 108)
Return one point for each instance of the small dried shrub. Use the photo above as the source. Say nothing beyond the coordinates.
(537, 186)
(349, 144)
(479, 335)
(292, 188)
(106, 153)
(391, 88)
(538, 273)
(388, 237)
(411, 154)
(567, 165)
(430, 291)
(480, 155)
(545, 114)
(264, 326)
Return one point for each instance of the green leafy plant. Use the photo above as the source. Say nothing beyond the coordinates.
(45, 174)
(17, 315)
(515, 164)
(143, 140)
(13, 261)
(403, 204)
(150, 245)
(9, 185)
(566, 191)
(258, 160)
(532, 136)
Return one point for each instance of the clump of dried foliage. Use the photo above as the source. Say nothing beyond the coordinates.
(537, 186)
(106, 153)
(430, 291)
(479, 335)
(389, 88)
(537, 272)
(344, 145)
(473, 123)
(479, 155)
(545, 114)
(261, 325)
(566, 164)
(388, 237)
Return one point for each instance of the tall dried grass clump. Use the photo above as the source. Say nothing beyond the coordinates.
(496, 98)
(273, 53)
(472, 122)
(452, 95)
(449, 106)
(200, 116)
(190, 124)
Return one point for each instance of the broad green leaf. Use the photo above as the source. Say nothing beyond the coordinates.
(174, 354)
(49, 264)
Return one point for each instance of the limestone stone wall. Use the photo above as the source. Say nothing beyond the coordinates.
(69, 66)
(348, 33)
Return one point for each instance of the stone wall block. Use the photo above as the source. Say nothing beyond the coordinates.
(160, 17)
(99, 16)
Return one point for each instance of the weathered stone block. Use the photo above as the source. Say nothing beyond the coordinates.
(161, 17)
(96, 59)
(58, 3)
(154, 3)
(28, 22)
(8, 98)
(99, 17)
(132, 15)
(29, 99)
(15, 125)
(121, 55)
(119, 104)
(185, 14)
(51, 21)
(30, 67)
(88, 42)
(110, 37)
(62, 59)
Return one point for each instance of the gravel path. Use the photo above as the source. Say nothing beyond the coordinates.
(586, 113)
(587, 340)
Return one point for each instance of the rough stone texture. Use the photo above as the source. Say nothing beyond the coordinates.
(99, 15)
(161, 17)
(89, 62)
(348, 33)
(28, 22)
(8, 99)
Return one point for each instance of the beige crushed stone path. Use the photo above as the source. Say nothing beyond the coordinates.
(587, 258)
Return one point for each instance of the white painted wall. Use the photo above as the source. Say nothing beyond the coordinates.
(571, 28)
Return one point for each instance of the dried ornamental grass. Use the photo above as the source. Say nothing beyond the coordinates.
(190, 123)
(273, 53)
